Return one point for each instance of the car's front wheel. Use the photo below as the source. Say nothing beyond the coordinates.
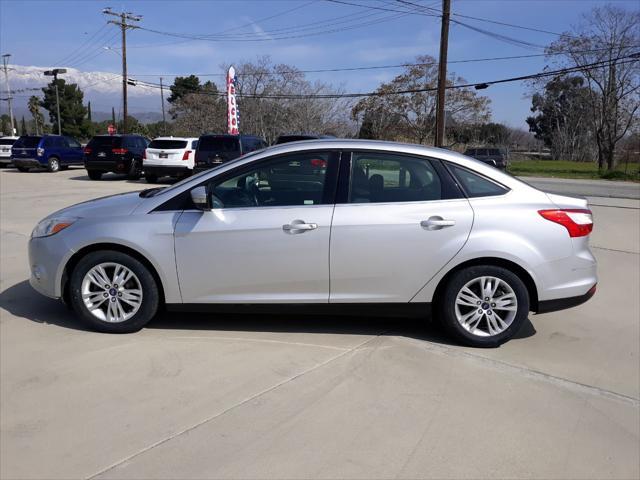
(484, 306)
(113, 292)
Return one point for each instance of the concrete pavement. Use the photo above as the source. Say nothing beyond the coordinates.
(243, 396)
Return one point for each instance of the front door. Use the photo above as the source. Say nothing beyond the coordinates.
(267, 238)
(403, 221)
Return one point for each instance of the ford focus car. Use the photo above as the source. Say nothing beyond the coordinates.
(325, 224)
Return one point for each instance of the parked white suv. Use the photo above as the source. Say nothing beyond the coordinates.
(169, 156)
(5, 149)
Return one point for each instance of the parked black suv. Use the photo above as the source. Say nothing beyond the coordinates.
(115, 153)
(216, 149)
(496, 157)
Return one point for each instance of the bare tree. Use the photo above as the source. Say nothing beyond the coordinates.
(411, 116)
(607, 34)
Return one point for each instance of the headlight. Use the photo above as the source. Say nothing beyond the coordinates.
(51, 226)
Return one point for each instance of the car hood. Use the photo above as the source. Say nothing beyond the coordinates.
(111, 206)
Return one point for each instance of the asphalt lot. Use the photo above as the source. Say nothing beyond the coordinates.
(241, 396)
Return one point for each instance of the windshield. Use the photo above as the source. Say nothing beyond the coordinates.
(168, 144)
(218, 144)
(27, 142)
(179, 184)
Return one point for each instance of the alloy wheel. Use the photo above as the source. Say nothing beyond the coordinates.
(486, 306)
(111, 292)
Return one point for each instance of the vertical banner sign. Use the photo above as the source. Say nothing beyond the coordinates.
(232, 107)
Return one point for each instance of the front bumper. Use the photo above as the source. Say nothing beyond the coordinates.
(47, 257)
(27, 163)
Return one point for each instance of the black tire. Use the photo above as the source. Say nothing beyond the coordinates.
(150, 293)
(151, 178)
(23, 169)
(446, 305)
(135, 170)
(94, 174)
(53, 164)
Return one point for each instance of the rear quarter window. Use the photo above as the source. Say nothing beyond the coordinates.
(476, 185)
(27, 142)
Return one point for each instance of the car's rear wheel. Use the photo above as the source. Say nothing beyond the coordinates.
(94, 174)
(53, 165)
(113, 292)
(151, 178)
(135, 171)
(484, 306)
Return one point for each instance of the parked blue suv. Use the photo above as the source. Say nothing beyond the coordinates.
(53, 152)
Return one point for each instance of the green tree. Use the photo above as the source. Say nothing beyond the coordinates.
(182, 86)
(34, 109)
(562, 116)
(23, 127)
(72, 110)
(89, 111)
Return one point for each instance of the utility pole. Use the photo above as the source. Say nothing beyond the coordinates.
(164, 121)
(442, 73)
(5, 59)
(54, 73)
(122, 23)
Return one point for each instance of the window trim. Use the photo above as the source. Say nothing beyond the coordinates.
(328, 194)
(449, 166)
(344, 184)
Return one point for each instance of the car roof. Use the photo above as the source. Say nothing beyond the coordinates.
(176, 138)
(10, 137)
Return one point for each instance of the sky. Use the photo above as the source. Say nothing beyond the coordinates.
(75, 34)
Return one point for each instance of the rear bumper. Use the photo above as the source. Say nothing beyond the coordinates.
(27, 163)
(546, 306)
(169, 170)
(116, 166)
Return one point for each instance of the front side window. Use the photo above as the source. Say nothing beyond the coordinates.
(288, 180)
(476, 185)
(387, 177)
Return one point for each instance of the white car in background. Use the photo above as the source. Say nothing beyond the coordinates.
(169, 156)
(5, 149)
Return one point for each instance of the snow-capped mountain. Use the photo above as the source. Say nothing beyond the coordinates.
(102, 89)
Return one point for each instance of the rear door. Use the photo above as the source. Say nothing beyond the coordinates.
(402, 220)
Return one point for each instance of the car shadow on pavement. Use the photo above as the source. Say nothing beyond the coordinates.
(110, 177)
(22, 301)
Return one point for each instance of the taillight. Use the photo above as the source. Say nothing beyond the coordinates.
(87, 150)
(119, 151)
(186, 155)
(40, 152)
(318, 163)
(578, 222)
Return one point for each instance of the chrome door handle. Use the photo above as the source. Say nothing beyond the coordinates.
(436, 223)
(299, 226)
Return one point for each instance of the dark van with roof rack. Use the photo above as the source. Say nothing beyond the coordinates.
(214, 150)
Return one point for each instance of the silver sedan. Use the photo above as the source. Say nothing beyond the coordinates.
(321, 224)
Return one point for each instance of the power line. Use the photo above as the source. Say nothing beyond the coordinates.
(481, 85)
(377, 67)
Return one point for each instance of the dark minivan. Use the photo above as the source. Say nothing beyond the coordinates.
(115, 153)
(496, 157)
(216, 149)
(53, 152)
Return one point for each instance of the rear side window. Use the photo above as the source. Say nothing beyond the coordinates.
(387, 177)
(218, 144)
(73, 143)
(168, 144)
(27, 142)
(476, 185)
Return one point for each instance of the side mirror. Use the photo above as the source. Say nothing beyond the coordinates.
(200, 198)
